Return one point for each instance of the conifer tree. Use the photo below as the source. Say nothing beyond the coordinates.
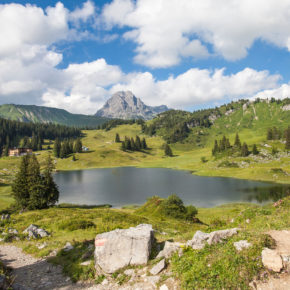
(56, 148)
(138, 145)
(39, 145)
(128, 143)
(144, 144)
(133, 146)
(51, 193)
(168, 151)
(255, 150)
(215, 149)
(270, 134)
(35, 184)
(78, 146)
(123, 146)
(244, 150)
(20, 187)
(117, 138)
(237, 141)
(287, 136)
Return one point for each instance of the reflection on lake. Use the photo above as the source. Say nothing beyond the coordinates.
(129, 185)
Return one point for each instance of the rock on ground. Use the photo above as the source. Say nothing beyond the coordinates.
(158, 267)
(272, 260)
(169, 249)
(120, 248)
(200, 238)
(242, 244)
(35, 232)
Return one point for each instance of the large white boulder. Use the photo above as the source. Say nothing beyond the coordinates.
(120, 248)
(169, 249)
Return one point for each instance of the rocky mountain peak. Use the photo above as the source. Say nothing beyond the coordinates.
(125, 105)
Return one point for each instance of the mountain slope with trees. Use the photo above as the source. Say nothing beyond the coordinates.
(39, 114)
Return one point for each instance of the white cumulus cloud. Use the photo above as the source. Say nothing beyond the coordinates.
(166, 31)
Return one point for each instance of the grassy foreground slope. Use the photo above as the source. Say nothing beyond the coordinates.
(80, 225)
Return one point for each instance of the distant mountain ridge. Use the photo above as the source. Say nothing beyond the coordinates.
(125, 105)
(39, 114)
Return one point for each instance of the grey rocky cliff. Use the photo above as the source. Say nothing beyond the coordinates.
(124, 105)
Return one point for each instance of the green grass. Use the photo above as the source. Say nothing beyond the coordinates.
(228, 269)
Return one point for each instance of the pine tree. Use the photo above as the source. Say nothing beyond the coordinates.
(56, 148)
(128, 143)
(133, 146)
(78, 146)
(168, 151)
(123, 146)
(215, 149)
(144, 144)
(270, 134)
(237, 141)
(73, 158)
(20, 187)
(39, 145)
(34, 142)
(62, 153)
(287, 136)
(138, 144)
(51, 193)
(228, 144)
(255, 150)
(117, 138)
(244, 150)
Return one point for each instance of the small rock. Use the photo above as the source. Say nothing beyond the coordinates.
(42, 233)
(12, 231)
(42, 246)
(242, 244)
(272, 260)
(153, 280)
(105, 282)
(129, 272)
(169, 249)
(158, 267)
(86, 263)
(232, 220)
(247, 221)
(163, 287)
(68, 247)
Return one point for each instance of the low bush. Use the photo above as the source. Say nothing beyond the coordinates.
(73, 225)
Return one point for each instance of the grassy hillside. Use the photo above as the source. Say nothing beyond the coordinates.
(79, 226)
(38, 114)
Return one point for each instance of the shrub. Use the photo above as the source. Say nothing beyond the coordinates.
(173, 207)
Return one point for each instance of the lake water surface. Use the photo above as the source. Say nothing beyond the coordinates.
(128, 185)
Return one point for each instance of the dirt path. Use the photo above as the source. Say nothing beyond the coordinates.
(34, 273)
(281, 281)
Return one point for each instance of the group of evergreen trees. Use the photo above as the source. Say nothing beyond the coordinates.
(224, 145)
(17, 134)
(67, 147)
(276, 134)
(132, 145)
(33, 189)
(110, 124)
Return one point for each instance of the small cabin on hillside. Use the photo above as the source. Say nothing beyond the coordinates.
(19, 151)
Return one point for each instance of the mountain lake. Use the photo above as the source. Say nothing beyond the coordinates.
(129, 185)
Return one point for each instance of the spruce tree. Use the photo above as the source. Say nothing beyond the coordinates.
(133, 146)
(78, 146)
(144, 144)
(215, 149)
(51, 193)
(20, 187)
(138, 144)
(56, 148)
(62, 153)
(35, 184)
(287, 137)
(117, 138)
(123, 146)
(255, 150)
(237, 141)
(270, 134)
(128, 143)
(244, 150)
(168, 151)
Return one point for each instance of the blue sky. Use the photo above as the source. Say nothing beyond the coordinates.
(185, 54)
